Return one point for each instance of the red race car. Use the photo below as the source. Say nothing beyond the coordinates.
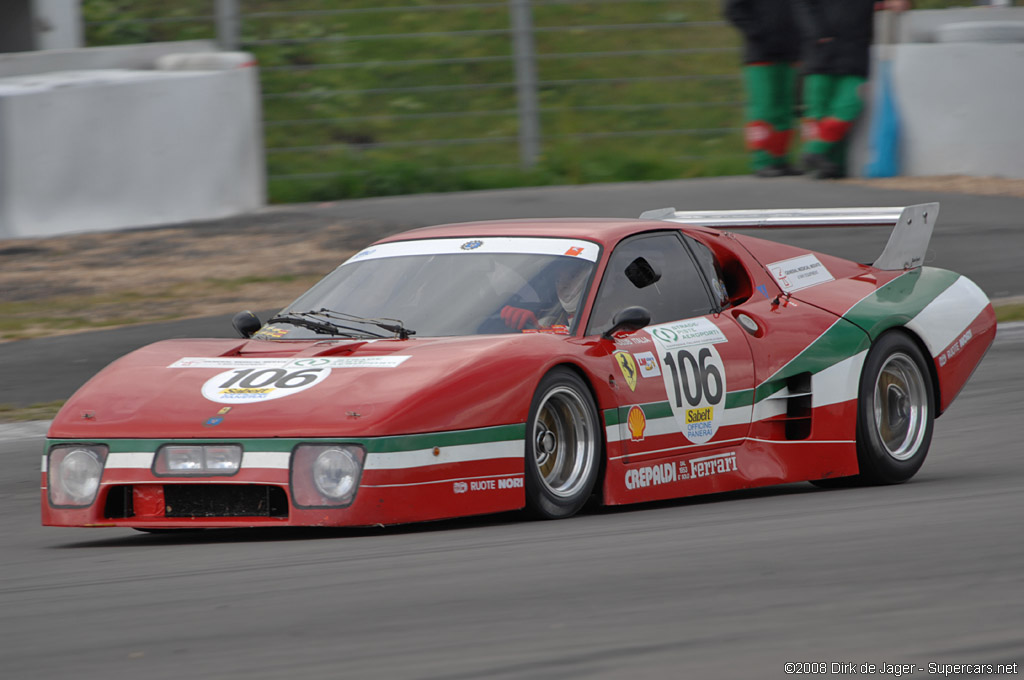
(491, 366)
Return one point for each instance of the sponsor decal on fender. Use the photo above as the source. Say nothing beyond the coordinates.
(697, 331)
(694, 375)
(648, 364)
(707, 466)
(955, 348)
(636, 421)
(627, 364)
(488, 484)
(700, 415)
(667, 473)
(800, 272)
(651, 475)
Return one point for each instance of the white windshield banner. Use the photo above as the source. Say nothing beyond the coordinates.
(584, 250)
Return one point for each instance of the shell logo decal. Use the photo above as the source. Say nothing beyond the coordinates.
(636, 421)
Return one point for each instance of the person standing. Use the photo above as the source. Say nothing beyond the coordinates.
(836, 36)
(771, 48)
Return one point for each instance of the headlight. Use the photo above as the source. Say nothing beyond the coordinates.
(74, 472)
(326, 475)
(197, 459)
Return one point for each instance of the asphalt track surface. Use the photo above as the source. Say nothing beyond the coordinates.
(727, 586)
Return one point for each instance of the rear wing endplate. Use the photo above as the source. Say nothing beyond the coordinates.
(911, 225)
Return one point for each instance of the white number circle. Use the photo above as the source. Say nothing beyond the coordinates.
(695, 384)
(247, 385)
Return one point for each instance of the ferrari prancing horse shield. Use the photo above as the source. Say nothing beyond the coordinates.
(627, 364)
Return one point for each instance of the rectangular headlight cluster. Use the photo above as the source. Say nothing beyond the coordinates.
(198, 459)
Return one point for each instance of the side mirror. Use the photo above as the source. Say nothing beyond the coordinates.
(246, 323)
(628, 319)
(642, 273)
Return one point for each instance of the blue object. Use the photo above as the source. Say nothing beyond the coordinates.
(884, 136)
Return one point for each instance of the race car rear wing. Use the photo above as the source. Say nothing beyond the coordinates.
(912, 225)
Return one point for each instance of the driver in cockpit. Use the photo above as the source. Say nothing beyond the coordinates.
(570, 284)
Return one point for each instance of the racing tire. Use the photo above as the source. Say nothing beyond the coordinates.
(563, 446)
(895, 411)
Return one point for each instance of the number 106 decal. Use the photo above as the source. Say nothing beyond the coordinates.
(243, 385)
(695, 385)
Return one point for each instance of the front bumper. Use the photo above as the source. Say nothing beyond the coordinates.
(405, 479)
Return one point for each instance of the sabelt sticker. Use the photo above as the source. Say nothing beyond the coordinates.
(695, 385)
(800, 272)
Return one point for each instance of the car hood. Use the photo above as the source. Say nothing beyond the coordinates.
(258, 388)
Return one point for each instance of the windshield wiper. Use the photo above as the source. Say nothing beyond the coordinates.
(398, 328)
(306, 320)
(324, 320)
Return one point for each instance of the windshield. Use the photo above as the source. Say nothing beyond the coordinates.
(447, 287)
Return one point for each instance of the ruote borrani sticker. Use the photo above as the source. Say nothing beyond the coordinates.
(694, 381)
(800, 272)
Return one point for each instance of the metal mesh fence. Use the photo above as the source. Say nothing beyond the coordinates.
(574, 87)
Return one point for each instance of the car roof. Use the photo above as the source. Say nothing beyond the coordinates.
(601, 230)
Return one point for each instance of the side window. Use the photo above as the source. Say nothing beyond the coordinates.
(654, 271)
(711, 269)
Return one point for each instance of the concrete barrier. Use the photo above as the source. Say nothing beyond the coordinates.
(960, 102)
(114, 147)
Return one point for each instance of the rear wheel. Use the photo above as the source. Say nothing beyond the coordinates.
(563, 444)
(895, 411)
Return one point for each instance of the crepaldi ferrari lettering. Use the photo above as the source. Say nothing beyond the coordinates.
(712, 465)
(651, 475)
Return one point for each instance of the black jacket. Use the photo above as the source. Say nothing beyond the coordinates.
(769, 29)
(847, 27)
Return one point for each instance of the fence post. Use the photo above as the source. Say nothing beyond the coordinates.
(526, 82)
(228, 24)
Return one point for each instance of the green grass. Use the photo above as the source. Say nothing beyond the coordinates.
(42, 411)
(1010, 312)
(349, 113)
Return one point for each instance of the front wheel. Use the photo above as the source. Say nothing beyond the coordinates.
(895, 411)
(563, 444)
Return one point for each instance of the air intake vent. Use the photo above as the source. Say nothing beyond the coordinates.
(224, 500)
(798, 406)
